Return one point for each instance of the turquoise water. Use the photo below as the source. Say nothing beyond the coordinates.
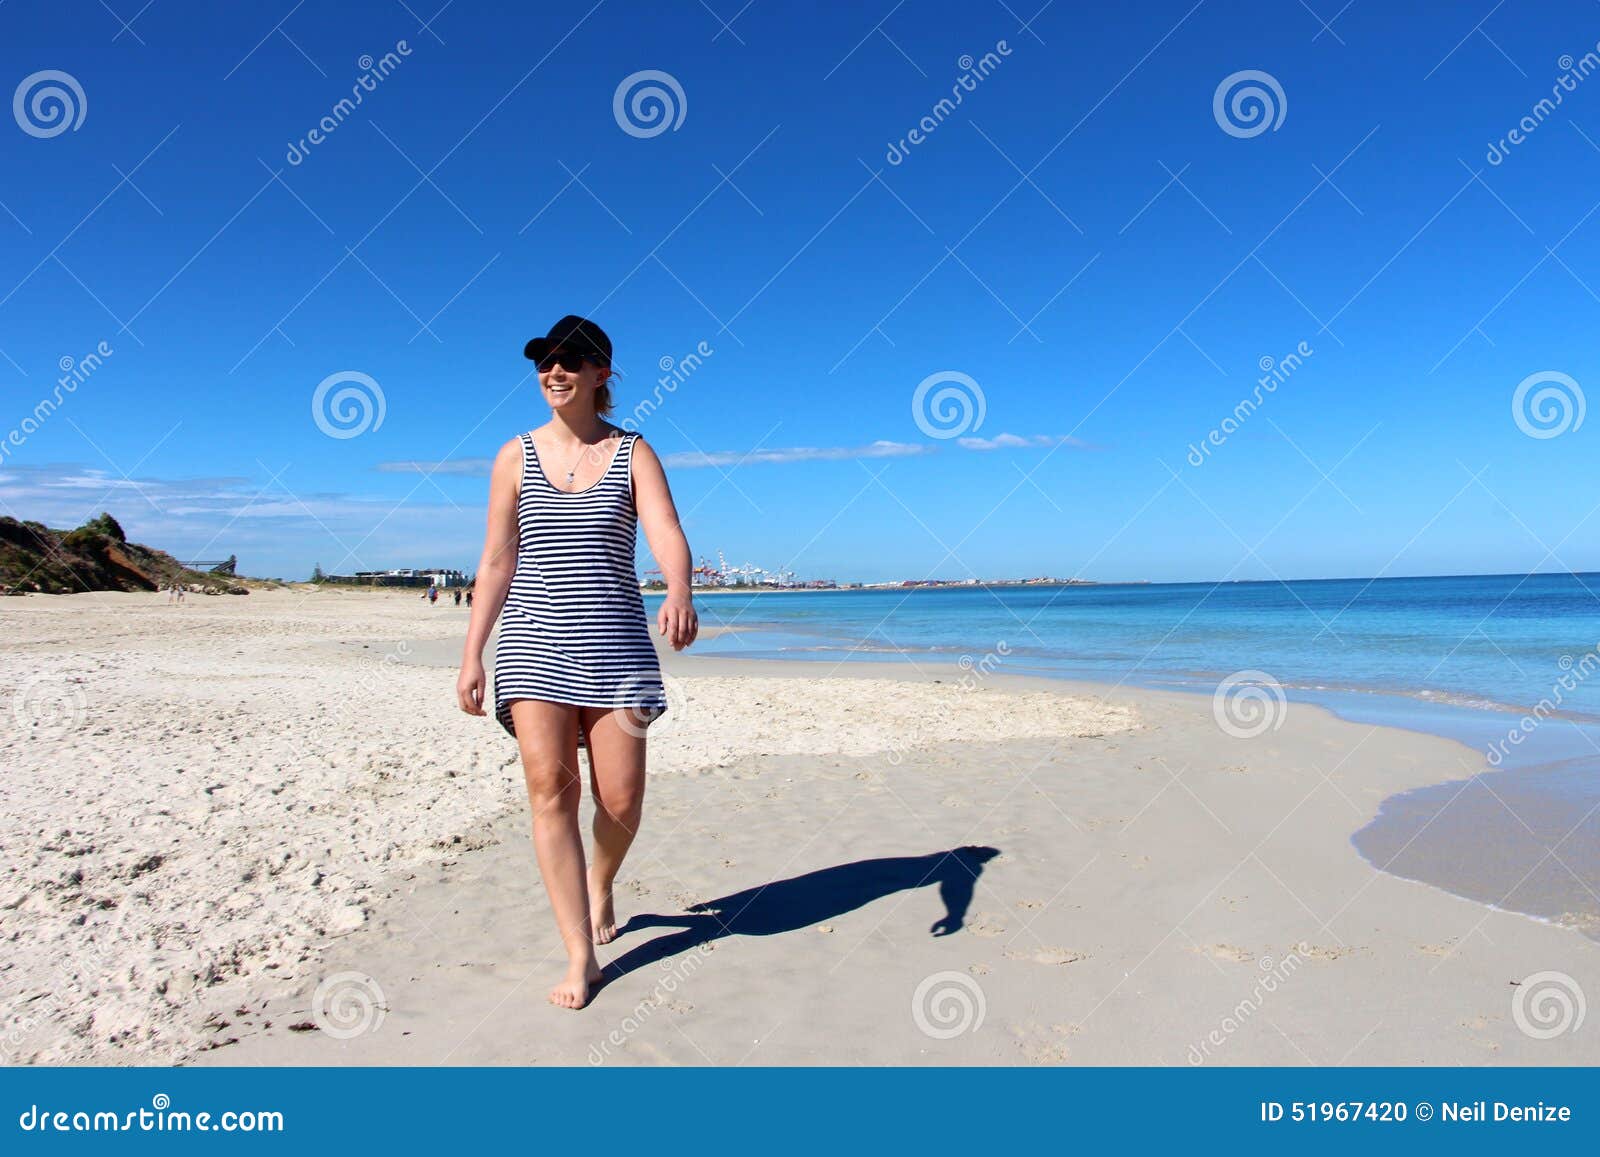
(1474, 640)
(1466, 657)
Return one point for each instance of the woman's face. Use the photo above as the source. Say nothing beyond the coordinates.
(563, 387)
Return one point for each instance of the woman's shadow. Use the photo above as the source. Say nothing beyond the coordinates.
(801, 901)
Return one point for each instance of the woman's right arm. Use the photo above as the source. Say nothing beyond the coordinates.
(495, 569)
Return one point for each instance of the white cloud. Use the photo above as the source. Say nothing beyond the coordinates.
(1017, 441)
(692, 459)
(695, 459)
(463, 467)
(273, 529)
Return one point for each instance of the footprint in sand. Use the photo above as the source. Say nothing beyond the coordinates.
(985, 924)
(978, 969)
(1327, 951)
(1047, 955)
(1043, 1053)
(1027, 904)
(1444, 949)
(1227, 952)
(1042, 1046)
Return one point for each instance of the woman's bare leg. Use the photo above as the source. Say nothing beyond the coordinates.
(548, 737)
(616, 777)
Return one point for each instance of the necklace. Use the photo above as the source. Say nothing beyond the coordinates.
(572, 472)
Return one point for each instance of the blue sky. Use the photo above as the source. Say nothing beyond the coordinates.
(1081, 238)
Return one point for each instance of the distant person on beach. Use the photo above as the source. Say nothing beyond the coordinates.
(433, 595)
(469, 600)
(574, 663)
(458, 596)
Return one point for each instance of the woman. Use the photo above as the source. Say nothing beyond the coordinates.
(574, 664)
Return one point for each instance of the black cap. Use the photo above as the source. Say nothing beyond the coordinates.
(577, 334)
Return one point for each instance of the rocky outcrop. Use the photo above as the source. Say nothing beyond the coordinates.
(97, 556)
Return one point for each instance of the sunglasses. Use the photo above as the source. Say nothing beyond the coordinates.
(566, 359)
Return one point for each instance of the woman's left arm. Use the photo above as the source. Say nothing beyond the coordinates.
(659, 517)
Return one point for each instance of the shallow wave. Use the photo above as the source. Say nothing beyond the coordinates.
(1095, 667)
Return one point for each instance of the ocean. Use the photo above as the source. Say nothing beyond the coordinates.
(1507, 664)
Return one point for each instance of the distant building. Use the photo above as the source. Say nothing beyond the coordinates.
(401, 577)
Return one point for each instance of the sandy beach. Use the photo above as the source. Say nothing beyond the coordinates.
(256, 830)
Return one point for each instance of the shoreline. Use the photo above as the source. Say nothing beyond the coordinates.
(337, 816)
(826, 652)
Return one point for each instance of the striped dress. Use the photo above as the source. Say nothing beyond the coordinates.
(573, 629)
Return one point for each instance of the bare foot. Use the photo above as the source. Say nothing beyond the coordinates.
(602, 913)
(576, 985)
